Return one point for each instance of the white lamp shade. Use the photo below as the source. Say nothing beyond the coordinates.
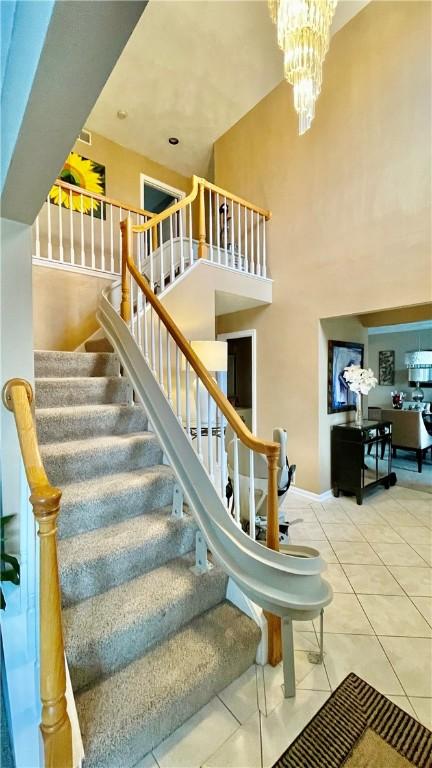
(213, 354)
(420, 359)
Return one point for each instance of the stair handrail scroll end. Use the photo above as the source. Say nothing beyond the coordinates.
(45, 499)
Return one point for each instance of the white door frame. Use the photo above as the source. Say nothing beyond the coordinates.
(248, 334)
(159, 185)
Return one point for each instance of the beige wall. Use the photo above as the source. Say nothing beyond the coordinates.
(64, 307)
(123, 168)
(400, 342)
(64, 303)
(350, 232)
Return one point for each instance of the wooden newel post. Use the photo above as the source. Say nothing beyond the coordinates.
(202, 247)
(126, 233)
(55, 725)
(273, 622)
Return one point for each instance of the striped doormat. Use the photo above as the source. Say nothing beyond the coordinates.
(359, 728)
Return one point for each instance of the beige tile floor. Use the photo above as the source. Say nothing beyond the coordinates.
(378, 626)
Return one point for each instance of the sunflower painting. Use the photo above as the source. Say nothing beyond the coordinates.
(84, 173)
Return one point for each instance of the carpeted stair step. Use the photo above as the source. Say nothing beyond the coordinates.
(85, 421)
(68, 364)
(99, 345)
(84, 459)
(109, 499)
(91, 390)
(126, 715)
(125, 622)
(104, 558)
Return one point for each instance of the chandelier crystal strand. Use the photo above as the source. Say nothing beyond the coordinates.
(303, 33)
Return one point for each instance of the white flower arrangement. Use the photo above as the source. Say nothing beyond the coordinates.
(360, 380)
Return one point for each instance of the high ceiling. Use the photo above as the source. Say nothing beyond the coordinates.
(192, 69)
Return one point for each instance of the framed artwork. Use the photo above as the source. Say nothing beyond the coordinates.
(341, 354)
(386, 367)
(84, 173)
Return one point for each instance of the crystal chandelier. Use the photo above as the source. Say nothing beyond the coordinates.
(303, 33)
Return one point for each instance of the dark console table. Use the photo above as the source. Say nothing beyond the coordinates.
(353, 470)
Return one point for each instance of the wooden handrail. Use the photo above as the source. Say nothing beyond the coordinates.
(197, 184)
(159, 217)
(268, 448)
(107, 200)
(45, 499)
(223, 193)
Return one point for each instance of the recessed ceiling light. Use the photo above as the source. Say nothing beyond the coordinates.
(122, 114)
(173, 140)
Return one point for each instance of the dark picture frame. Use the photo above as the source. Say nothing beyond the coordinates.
(386, 368)
(341, 354)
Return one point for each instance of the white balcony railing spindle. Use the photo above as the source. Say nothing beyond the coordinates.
(210, 208)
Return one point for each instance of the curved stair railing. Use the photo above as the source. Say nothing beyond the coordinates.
(189, 414)
(45, 499)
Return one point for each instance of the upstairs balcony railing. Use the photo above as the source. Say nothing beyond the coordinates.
(79, 230)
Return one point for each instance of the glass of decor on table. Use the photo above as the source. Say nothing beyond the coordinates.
(397, 400)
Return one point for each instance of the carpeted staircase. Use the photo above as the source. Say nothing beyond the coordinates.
(148, 642)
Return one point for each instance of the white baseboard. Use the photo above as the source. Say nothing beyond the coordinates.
(310, 495)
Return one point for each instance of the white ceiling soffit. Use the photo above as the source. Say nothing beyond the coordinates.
(191, 69)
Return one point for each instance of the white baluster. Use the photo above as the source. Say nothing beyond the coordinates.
(152, 341)
(82, 243)
(210, 207)
(252, 262)
(161, 260)
(132, 291)
(120, 240)
(102, 237)
(182, 264)
(225, 217)
(233, 262)
(191, 255)
(210, 436)
(92, 250)
(145, 334)
(236, 480)
(198, 416)
(223, 458)
(246, 254)
(37, 238)
(171, 239)
(139, 291)
(60, 225)
(252, 525)
(49, 228)
(187, 392)
(239, 244)
(178, 385)
(257, 245)
(264, 270)
(161, 373)
(111, 240)
(218, 228)
(168, 366)
(71, 229)
(151, 241)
